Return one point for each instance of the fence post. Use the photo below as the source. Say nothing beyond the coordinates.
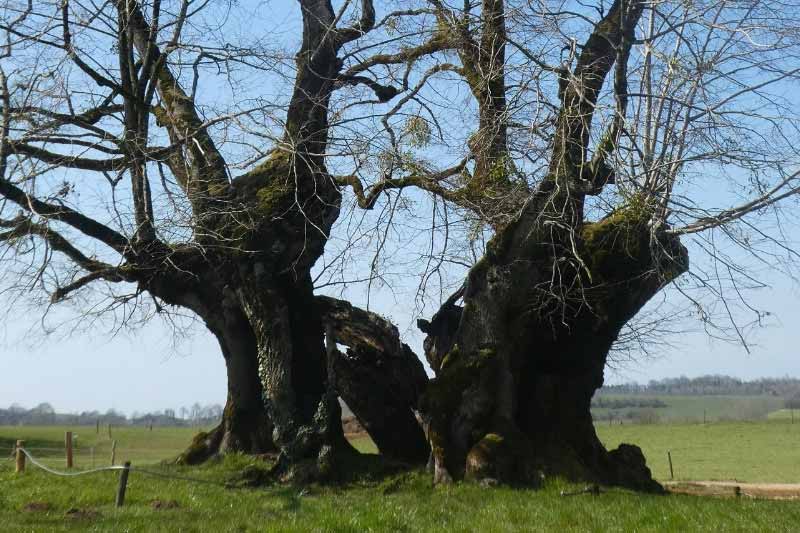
(109, 430)
(68, 444)
(123, 484)
(671, 473)
(97, 427)
(20, 457)
(113, 451)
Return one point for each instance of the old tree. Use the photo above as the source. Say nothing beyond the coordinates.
(167, 155)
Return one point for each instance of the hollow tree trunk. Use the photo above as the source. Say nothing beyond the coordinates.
(379, 378)
(513, 389)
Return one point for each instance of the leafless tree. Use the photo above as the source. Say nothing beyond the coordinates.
(592, 140)
(115, 169)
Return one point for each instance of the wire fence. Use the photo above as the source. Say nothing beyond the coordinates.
(46, 468)
(91, 454)
(81, 457)
(115, 468)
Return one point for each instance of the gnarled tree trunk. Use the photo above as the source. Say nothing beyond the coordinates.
(294, 368)
(245, 426)
(518, 364)
(515, 380)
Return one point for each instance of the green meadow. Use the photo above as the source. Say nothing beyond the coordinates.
(746, 451)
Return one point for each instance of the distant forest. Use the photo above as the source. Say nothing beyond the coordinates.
(715, 385)
(44, 414)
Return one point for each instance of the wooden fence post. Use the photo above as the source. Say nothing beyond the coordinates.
(109, 430)
(123, 484)
(68, 445)
(671, 473)
(113, 451)
(97, 427)
(20, 457)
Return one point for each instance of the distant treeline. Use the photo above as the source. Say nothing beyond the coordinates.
(711, 385)
(44, 415)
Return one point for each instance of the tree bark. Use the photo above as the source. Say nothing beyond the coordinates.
(294, 370)
(512, 394)
(245, 426)
(379, 378)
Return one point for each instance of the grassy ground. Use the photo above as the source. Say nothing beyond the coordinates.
(363, 444)
(767, 451)
(759, 451)
(135, 444)
(36, 502)
(792, 415)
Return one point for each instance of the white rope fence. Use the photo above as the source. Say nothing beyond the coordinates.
(129, 468)
(67, 474)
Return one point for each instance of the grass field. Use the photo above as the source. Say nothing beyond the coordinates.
(785, 414)
(767, 451)
(758, 451)
(135, 444)
(694, 408)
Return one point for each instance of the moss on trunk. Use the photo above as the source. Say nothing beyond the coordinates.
(511, 399)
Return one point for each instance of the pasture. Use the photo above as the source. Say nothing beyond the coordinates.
(757, 451)
(136, 444)
(689, 409)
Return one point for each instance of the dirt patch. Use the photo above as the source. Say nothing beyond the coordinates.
(81, 514)
(733, 489)
(37, 507)
(164, 504)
